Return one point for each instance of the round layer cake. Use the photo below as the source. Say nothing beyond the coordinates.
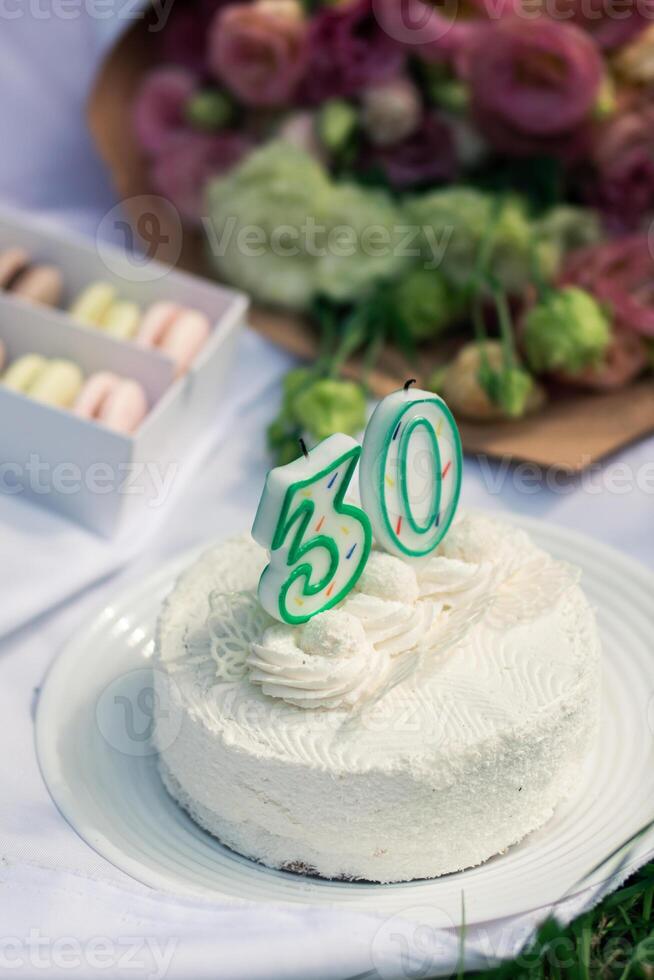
(432, 720)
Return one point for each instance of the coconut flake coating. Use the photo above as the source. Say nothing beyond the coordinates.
(450, 762)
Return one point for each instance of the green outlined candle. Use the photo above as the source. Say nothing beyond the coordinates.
(410, 477)
(318, 544)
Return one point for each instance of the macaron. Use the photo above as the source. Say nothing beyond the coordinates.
(122, 320)
(24, 371)
(55, 382)
(93, 304)
(176, 331)
(97, 306)
(30, 281)
(119, 403)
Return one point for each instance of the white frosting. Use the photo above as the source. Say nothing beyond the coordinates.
(327, 663)
(386, 577)
(224, 643)
(447, 739)
(342, 656)
(391, 627)
(456, 583)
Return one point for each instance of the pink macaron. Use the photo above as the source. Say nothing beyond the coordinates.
(118, 403)
(176, 331)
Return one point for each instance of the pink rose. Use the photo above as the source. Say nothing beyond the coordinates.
(183, 41)
(624, 360)
(259, 51)
(159, 110)
(619, 273)
(428, 155)
(181, 171)
(623, 156)
(611, 22)
(348, 51)
(435, 31)
(534, 84)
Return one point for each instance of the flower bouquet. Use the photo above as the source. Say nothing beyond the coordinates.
(471, 185)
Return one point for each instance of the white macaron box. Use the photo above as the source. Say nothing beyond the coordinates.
(80, 467)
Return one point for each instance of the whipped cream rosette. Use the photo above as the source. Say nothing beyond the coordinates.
(327, 663)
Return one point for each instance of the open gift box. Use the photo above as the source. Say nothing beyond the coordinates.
(98, 477)
(573, 431)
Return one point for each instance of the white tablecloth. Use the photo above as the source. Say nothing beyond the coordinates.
(62, 906)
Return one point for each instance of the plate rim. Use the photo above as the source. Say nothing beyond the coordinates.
(146, 876)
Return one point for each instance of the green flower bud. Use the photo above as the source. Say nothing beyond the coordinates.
(563, 229)
(337, 122)
(606, 102)
(295, 382)
(480, 385)
(436, 380)
(567, 330)
(466, 220)
(510, 389)
(546, 263)
(511, 254)
(425, 303)
(278, 431)
(450, 94)
(210, 110)
(330, 406)
(287, 452)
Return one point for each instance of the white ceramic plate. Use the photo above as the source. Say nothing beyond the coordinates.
(94, 721)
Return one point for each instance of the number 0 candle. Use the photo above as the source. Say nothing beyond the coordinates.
(411, 472)
(318, 544)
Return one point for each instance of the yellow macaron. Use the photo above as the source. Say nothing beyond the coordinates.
(98, 306)
(93, 304)
(54, 382)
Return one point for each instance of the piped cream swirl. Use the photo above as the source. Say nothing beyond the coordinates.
(391, 627)
(403, 616)
(327, 663)
(342, 656)
(454, 582)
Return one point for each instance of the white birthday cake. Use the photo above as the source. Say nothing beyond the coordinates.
(431, 719)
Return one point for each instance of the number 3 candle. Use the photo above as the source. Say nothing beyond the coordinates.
(319, 545)
(411, 472)
(410, 482)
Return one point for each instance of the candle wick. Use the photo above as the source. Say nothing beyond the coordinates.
(303, 447)
(407, 384)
